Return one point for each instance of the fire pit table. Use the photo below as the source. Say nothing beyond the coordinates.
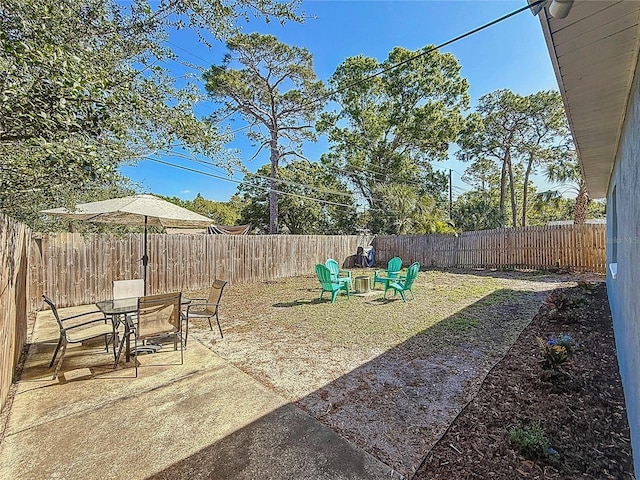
(362, 284)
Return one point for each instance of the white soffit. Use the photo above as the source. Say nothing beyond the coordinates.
(594, 51)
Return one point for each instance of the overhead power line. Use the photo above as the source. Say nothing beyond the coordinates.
(404, 62)
(256, 175)
(233, 180)
(429, 50)
(350, 85)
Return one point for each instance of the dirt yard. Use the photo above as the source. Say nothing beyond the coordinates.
(388, 376)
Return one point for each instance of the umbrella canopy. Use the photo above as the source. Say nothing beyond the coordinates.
(135, 210)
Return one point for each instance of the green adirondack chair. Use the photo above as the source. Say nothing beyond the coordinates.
(334, 268)
(324, 277)
(389, 275)
(405, 283)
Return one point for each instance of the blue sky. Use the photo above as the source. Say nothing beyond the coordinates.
(511, 54)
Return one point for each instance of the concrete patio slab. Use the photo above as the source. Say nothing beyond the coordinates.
(204, 418)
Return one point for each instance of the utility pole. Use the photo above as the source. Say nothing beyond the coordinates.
(450, 197)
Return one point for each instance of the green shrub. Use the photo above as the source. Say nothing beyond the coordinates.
(531, 441)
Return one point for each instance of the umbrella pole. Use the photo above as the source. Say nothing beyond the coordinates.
(145, 257)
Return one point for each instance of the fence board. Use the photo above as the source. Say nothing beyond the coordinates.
(15, 248)
(77, 270)
(572, 247)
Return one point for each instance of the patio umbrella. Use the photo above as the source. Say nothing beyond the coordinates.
(135, 210)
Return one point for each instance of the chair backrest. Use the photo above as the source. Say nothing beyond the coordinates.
(158, 314)
(324, 276)
(124, 290)
(334, 268)
(128, 288)
(394, 266)
(412, 273)
(215, 294)
(54, 309)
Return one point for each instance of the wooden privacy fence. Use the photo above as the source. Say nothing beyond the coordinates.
(571, 247)
(73, 269)
(77, 270)
(14, 245)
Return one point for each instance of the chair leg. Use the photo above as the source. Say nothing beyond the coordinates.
(64, 349)
(186, 331)
(219, 327)
(114, 338)
(334, 294)
(126, 338)
(135, 349)
(117, 359)
(53, 359)
(106, 341)
(404, 298)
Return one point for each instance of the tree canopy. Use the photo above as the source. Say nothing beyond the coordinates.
(85, 86)
(511, 129)
(276, 92)
(220, 213)
(312, 201)
(393, 119)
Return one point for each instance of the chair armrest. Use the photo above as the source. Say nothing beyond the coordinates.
(93, 312)
(89, 322)
(348, 272)
(195, 301)
(201, 305)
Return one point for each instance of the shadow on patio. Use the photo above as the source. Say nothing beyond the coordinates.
(209, 419)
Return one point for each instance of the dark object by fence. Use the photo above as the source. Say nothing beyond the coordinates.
(365, 257)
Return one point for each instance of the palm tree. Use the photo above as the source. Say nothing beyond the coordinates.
(566, 172)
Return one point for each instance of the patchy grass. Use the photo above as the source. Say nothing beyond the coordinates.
(359, 360)
(292, 307)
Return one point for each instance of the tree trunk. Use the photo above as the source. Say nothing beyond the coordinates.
(273, 193)
(512, 190)
(503, 186)
(525, 191)
(582, 203)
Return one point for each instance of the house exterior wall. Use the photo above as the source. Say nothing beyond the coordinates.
(623, 249)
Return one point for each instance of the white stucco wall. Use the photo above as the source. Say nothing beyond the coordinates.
(623, 247)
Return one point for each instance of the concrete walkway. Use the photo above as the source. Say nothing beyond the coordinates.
(202, 419)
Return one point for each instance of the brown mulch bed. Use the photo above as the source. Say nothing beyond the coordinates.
(581, 410)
